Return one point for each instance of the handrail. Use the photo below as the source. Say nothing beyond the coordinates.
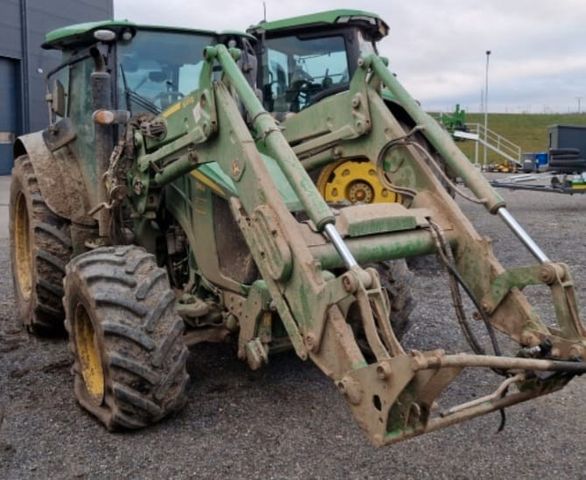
(496, 142)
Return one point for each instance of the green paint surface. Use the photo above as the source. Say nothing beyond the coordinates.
(83, 32)
(321, 18)
(214, 172)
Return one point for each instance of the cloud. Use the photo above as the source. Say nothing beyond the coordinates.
(437, 47)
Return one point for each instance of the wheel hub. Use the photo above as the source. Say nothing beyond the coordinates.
(354, 182)
(360, 191)
(88, 354)
(23, 248)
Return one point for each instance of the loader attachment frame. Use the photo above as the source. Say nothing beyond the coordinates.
(310, 269)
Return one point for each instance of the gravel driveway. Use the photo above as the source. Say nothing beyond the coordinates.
(287, 420)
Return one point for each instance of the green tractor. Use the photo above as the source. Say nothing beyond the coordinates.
(165, 206)
(308, 58)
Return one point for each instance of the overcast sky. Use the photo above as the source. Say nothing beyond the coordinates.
(437, 47)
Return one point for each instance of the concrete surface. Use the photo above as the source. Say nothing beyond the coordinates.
(287, 421)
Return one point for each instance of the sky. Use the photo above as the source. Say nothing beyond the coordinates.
(438, 48)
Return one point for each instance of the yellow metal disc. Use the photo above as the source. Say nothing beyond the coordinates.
(88, 354)
(355, 182)
(23, 248)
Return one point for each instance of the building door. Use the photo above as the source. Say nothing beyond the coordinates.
(9, 93)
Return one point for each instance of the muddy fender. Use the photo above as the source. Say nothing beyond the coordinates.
(59, 176)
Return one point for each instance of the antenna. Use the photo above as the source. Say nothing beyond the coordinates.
(264, 9)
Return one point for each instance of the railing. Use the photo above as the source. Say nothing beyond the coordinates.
(491, 140)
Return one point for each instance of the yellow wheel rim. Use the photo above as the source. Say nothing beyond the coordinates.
(88, 354)
(355, 182)
(23, 247)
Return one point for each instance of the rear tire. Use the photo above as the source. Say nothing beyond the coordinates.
(40, 247)
(127, 340)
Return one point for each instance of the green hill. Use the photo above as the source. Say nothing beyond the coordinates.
(529, 131)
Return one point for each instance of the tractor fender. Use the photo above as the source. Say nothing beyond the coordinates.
(59, 176)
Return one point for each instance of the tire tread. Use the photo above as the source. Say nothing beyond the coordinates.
(43, 314)
(140, 337)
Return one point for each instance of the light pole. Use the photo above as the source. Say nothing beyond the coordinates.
(486, 110)
(579, 104)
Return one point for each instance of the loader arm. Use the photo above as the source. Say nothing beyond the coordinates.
(387, 143)
(391, 392)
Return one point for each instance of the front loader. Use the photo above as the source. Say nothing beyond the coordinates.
(188, 216)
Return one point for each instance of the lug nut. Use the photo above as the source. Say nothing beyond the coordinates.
(350, 389)
(383, 371)
(349, 283)
(310, 342)
(529, 339)
(577, 353)
(547, 274)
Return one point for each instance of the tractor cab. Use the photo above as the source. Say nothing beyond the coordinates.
(152, 67)
(311, 57)
(122, 67)
(304, 59)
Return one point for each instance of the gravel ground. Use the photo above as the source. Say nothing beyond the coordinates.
(288, 421)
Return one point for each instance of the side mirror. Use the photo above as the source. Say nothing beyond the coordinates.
(58, 104)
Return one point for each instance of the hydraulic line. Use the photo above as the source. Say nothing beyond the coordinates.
(446, 256)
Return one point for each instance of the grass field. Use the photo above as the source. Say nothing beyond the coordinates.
(529, 131)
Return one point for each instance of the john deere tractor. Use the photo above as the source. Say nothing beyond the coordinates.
(166, 206)
(308, 58)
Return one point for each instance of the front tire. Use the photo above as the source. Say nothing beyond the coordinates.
(397, 280)
(127, 340)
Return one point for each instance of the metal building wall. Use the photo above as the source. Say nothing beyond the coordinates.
(23, 25)
(10, 45)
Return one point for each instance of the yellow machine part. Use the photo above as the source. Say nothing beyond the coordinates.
(353, 181)
(88, 354)
(23, 248)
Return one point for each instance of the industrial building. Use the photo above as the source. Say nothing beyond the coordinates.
(24, 64)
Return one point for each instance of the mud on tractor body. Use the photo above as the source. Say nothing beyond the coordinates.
(167, 206)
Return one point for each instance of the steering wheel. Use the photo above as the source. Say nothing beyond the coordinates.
(301, 91)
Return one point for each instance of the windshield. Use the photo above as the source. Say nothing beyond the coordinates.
(296, 69)
(158, 68)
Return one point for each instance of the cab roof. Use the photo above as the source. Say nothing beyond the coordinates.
(329, 17)
(83, 33)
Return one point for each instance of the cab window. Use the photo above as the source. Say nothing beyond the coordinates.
(298, 69)
(158, 68)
